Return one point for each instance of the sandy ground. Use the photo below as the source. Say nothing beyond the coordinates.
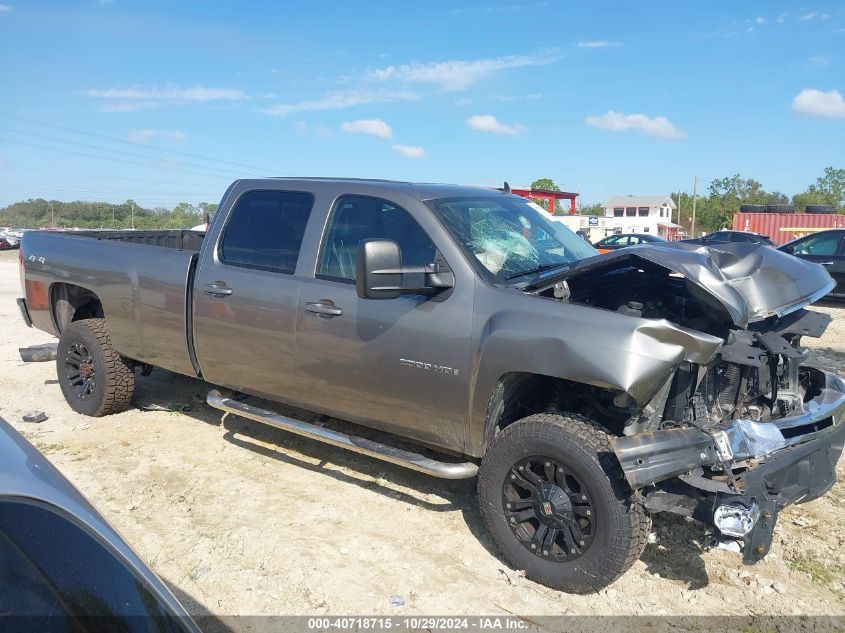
(242, 519)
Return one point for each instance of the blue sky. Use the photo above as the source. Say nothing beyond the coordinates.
(175, 99)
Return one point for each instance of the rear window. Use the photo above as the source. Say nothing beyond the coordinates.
(265, 230)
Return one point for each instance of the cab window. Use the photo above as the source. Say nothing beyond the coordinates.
(265, 230)
(356, 218)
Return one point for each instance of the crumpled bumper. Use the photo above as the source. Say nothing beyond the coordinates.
(775, 464)
(647, 458)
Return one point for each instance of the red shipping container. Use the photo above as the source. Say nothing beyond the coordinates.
(784, 227)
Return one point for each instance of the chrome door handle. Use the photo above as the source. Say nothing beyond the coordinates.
(217, 290)
(323, 310)
(825, 263)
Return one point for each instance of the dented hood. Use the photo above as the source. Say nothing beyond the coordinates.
(752, 282)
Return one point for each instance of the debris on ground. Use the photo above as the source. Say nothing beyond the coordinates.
(35, 416)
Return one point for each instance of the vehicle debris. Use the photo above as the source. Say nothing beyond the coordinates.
(38, 353)
(35, 416)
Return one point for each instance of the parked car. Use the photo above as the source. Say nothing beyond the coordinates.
(7, 243)
(826, 248)
(623, 240)
(62, 566)
(585, 391)
(722, 237)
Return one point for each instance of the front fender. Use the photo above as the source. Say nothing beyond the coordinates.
(582, 344)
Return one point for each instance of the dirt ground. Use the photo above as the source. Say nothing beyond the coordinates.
(242, 519)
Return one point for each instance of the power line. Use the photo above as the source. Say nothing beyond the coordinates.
(108, 158)
(100, 148)
(152, 147)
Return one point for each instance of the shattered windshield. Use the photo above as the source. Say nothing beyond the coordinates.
(512, 238)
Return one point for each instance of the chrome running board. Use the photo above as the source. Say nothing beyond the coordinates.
(414, 461)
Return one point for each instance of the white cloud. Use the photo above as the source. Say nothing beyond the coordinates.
(5, 7)
(761, 20)
(597, 44)
(489, 123)
(197, 94)
(411, 151)
(463, 102)
(619, 121)
(371, 127)
(814, 15)
(339, 101)
(141, 136)
(147, 97)
(782, 18)
(812, 102)
(455, 74)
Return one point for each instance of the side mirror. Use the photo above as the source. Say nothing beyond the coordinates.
(381, 275)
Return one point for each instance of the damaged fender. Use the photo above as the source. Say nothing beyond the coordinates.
(582, 344)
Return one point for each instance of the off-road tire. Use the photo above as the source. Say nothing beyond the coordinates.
(780, 208)
(114, 380)
(820, 208)
(582, 446)
(752, 208)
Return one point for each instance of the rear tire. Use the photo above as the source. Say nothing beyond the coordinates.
(94, 378)
(582, 500)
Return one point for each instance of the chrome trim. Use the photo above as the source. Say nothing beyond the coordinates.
(748, 439)
(414, 461)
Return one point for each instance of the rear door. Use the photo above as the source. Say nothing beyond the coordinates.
(246, 294)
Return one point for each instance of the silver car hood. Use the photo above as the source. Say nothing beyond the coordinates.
(752, 282)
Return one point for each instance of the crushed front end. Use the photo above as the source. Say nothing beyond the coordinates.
(743, 436)
(734, 439)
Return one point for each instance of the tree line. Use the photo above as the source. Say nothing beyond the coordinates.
(717, 203)
(714, 207)
(41, 213)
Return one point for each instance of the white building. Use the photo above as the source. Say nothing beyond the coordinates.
(642, 214)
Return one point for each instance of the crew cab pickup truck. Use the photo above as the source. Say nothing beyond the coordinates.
(586, 392)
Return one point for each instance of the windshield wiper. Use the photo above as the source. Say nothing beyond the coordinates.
(536, 271)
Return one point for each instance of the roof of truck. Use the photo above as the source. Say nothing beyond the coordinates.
(420, 190)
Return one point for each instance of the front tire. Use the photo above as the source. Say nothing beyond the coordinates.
(556, 502)
(94, 378)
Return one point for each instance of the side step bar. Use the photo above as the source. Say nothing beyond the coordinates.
(414, 461)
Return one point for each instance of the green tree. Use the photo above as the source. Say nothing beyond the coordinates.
(545, 183)
(830, 188)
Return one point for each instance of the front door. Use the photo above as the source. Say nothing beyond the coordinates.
(402, 364)
(828, 250)
(246, 295)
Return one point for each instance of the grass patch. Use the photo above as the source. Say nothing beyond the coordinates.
(815, 568)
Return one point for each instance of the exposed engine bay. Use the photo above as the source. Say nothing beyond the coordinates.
(755, 374)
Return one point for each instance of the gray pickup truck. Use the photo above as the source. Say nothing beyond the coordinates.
(585, 391)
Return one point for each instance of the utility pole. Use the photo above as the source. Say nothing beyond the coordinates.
(694, 196)
(680, 208)
(52, 215)
(132, 212)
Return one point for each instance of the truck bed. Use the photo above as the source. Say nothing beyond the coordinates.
(180, 239)
(142, 278)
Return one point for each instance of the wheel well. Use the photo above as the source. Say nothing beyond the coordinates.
(71, 303)
(519, 394)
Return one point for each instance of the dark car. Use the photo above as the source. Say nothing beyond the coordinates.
(62, 566)
(721, 237)
(826, 248)
(6, 244)
(624, 240)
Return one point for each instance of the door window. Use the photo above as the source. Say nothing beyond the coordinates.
(265, 230)
(357, 218)
(823, 245)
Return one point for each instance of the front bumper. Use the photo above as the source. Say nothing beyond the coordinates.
(648, 458)
(775, 464)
